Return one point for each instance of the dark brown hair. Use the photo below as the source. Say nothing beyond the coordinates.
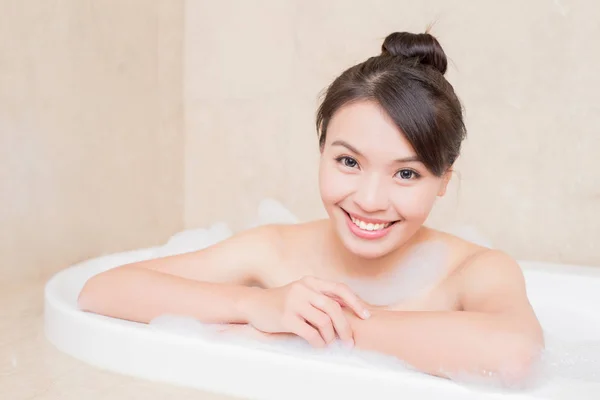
(407, 81)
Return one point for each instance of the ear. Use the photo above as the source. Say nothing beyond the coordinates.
(444, 183)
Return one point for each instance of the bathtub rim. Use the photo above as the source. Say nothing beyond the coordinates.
(57, 309)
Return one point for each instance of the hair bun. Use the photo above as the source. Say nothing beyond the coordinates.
(421, 46)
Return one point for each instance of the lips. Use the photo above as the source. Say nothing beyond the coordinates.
(368, 228)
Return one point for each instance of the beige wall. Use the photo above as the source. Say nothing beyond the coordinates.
(95, 151)
(525, 71)
(91, 142)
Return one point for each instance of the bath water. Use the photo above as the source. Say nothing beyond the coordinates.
(563, 358)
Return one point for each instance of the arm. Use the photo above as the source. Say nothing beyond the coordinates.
(495, 333)
(207, 284)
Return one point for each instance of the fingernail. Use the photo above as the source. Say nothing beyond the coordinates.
(366, 314)
(349, 343)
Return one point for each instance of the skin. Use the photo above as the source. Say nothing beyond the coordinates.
(475, 318)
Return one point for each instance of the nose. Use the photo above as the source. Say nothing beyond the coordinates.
(372, 194)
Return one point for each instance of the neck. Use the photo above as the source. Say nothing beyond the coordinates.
(353, 266)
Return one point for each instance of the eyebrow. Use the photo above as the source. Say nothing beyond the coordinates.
(353, 149)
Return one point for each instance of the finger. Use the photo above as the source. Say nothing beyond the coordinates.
(343, 292)
(301, 328)
(319, 320)
(336, 315)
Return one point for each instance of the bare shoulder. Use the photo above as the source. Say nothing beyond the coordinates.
(264, 241)
(291, 233)
(300, 251)
(491, 280)
(264, 255)
(460, 250)
(255, 250)
(242, 258)
(483, 277)
(300, 241)
(254, 245)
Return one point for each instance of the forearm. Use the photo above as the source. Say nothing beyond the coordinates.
(451, 343)
(140, 294)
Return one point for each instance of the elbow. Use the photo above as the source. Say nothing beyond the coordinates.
(95, 291)
(86, 297)
(519, 364)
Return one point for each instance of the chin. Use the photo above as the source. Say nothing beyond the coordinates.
(367, 252)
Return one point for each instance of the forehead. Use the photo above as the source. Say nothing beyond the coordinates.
(368, 128)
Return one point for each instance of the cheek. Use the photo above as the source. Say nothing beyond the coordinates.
(334, 185)
(415, 202)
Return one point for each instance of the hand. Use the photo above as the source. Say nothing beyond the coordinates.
(311, 308)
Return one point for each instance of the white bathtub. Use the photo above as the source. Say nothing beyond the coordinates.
(565, 298)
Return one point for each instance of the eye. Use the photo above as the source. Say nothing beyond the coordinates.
(408, 174)
(347, 161)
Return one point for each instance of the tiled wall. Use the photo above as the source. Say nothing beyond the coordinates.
(526, 72)
(91, 139)
(96, 154)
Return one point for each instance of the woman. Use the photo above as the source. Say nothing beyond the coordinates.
(390, 130)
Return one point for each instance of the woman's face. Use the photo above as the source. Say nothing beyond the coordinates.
(373, 186)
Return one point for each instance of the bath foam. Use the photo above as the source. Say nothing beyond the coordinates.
(182, 351)
(335, 353)
(418, 271)
(571, 361)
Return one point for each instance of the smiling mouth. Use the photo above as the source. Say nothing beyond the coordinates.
(369, 226)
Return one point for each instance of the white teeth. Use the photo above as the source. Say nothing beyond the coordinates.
(369, 226)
